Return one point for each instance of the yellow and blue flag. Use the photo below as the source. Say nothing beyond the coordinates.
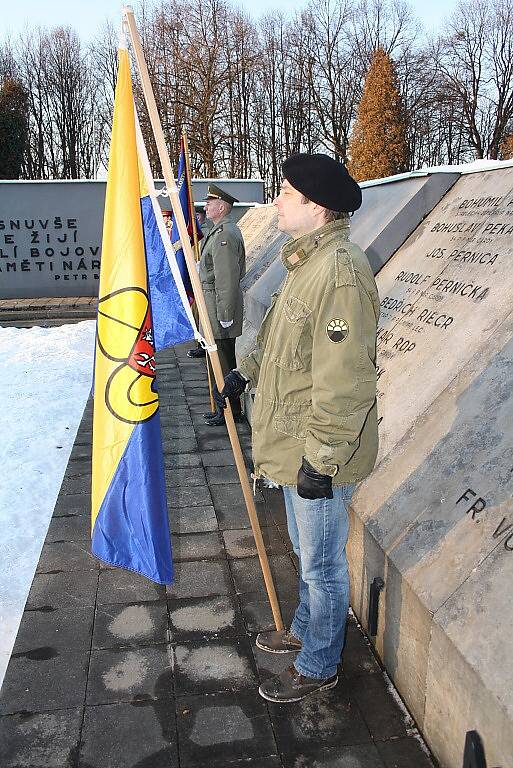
(130, 525)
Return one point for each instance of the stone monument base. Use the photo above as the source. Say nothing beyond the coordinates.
(47, 311)
(434, 521)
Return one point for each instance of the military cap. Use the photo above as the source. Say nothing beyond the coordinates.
(219, 194)
(323, 180)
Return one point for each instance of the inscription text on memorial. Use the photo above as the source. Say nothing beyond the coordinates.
(445, 289)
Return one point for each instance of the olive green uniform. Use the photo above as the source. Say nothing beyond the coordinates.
(222, 267)
(314, 363)
(206, 227)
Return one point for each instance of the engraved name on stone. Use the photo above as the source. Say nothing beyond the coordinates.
(475, 505)
(441, 294)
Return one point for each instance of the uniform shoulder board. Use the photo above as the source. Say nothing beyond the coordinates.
(344, 269)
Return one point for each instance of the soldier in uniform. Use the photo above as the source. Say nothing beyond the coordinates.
(314, 417)
(168, 219)
(205, 224)
(222, 267)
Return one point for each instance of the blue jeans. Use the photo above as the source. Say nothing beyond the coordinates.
(318, 530)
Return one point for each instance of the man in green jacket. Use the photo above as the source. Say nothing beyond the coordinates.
(221, 268)
(314, 416)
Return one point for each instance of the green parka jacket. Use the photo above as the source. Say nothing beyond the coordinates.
(222, 267)
(314, 363)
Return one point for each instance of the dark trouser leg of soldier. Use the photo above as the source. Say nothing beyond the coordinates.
(226, 352)
(226, 349)
(198, 351)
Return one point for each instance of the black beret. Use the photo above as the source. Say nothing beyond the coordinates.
(323, 180)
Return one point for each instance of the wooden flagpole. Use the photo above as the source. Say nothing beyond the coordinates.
(129, 19)
(192, 217)
(192, 210)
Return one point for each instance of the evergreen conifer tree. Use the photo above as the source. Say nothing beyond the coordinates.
(13, 128)
(506, 151)
(377, 146)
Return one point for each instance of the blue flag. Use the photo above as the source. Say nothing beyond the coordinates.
(160, 279)
(183, 194)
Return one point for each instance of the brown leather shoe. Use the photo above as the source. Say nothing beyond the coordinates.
(278, 641)
(290, 686)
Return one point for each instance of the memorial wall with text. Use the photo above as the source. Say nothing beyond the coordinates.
(51, 234)
(434, 520)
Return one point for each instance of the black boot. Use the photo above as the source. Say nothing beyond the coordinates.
(217, 419)
(195, 353)
(214, 419)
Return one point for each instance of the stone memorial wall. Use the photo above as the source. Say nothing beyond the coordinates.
(51, 234)
(435, 519)
(446, 289)
(50, 238)
(390, 211)
(262, 239)
(263, 242)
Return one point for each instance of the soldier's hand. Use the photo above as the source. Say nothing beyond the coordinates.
(234, 385)
(311, 484)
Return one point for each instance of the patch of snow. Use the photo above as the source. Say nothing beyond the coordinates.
(408, 721)
(133, 621)
(411, 728)
(45, 380)
(475, 166)
(128, 672)
(212, 663)
(206, 618)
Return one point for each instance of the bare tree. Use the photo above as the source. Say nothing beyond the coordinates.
(476, 62)
(335, 72)
(103, 61)
(57, 76)
(250, 93)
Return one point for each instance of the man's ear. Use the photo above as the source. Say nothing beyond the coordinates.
(319, 211)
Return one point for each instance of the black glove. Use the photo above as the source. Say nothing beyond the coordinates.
(311, 484)
(234, 386)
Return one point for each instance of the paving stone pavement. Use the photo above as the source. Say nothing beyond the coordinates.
(112, 671)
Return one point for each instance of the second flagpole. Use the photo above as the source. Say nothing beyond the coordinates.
(202, 310)
(192, 219)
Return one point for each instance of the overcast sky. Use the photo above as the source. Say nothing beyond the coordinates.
(87, 17)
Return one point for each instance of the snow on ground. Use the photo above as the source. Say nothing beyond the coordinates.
(45, 380)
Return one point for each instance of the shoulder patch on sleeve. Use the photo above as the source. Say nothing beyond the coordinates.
(344, 269)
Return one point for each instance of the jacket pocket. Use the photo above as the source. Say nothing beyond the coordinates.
(288, 334)
(293, 427)
(292, 419)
